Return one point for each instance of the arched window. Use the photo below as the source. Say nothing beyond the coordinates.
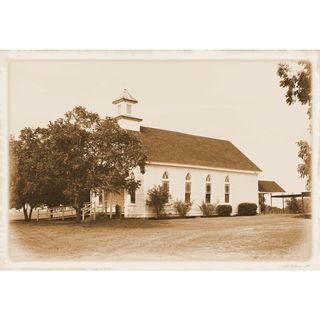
(128, 108)
(165, 176)
(187, 194)
(227, 190)
(208, 189)
(132, 193)
(166, 182)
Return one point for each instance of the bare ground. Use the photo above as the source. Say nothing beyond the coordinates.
(263, 237)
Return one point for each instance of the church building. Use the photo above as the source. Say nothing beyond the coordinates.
(195, 169)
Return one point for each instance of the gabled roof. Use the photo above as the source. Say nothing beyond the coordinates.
(269, 186)
(125, 96)
(186, 149)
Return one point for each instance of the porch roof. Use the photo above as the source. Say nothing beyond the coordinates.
(266, 186)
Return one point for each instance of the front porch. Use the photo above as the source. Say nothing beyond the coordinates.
(108, 203)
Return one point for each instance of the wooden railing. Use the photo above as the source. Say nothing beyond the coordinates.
(86, 210)
(55, 213)
(60, 213)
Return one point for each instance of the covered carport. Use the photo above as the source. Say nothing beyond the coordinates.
(301, 195)
(270, 187)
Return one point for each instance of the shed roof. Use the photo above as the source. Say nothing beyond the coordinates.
(186, 149)
(269, 186)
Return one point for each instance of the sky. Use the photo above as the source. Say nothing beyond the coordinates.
(240, 101)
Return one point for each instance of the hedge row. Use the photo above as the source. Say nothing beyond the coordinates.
(244, 209)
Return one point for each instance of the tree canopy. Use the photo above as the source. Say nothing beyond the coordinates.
(296, 78)
(30, 181)
(61, 163)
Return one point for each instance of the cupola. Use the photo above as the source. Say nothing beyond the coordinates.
(125, 111)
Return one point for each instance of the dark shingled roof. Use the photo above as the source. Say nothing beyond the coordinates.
(180, 148)
(269, 186)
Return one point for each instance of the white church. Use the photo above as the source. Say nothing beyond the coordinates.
(194, 169)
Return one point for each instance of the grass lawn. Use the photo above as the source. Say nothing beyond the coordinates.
(263, 237)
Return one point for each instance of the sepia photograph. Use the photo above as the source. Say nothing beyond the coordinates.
(138, 158)
(159, 159)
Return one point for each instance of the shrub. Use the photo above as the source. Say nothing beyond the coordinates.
(293, 205)
(273, 209)
(224, 210)
(207, 209)
(247, 209)
(158, 196)
(182, 208)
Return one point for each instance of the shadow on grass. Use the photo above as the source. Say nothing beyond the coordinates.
(114, 223)
(303, 216)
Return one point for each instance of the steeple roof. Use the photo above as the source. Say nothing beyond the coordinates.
(126, 97)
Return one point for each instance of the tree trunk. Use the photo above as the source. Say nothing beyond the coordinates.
(25, 212)
(78, 213)
(77, 207)
(30, 214)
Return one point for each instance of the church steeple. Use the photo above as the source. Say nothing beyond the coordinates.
(125, 115)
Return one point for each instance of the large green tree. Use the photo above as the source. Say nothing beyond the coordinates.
(92, 153)
(296, 78)
(61, 163)
(31, 184)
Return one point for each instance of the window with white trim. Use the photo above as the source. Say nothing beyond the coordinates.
(227, 190)
(187, 194)
(166, 182)
(208, 189)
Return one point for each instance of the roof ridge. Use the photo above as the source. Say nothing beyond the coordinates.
(187, 134)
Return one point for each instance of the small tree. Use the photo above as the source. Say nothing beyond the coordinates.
(262, 202)
(182, 208)
(158, 196)
(293, 205)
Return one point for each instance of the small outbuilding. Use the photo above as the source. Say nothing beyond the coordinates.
(270, 187)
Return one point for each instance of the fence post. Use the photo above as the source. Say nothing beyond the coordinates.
(94, 212)
(62, 213)
(38, 214)
(82, 214)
